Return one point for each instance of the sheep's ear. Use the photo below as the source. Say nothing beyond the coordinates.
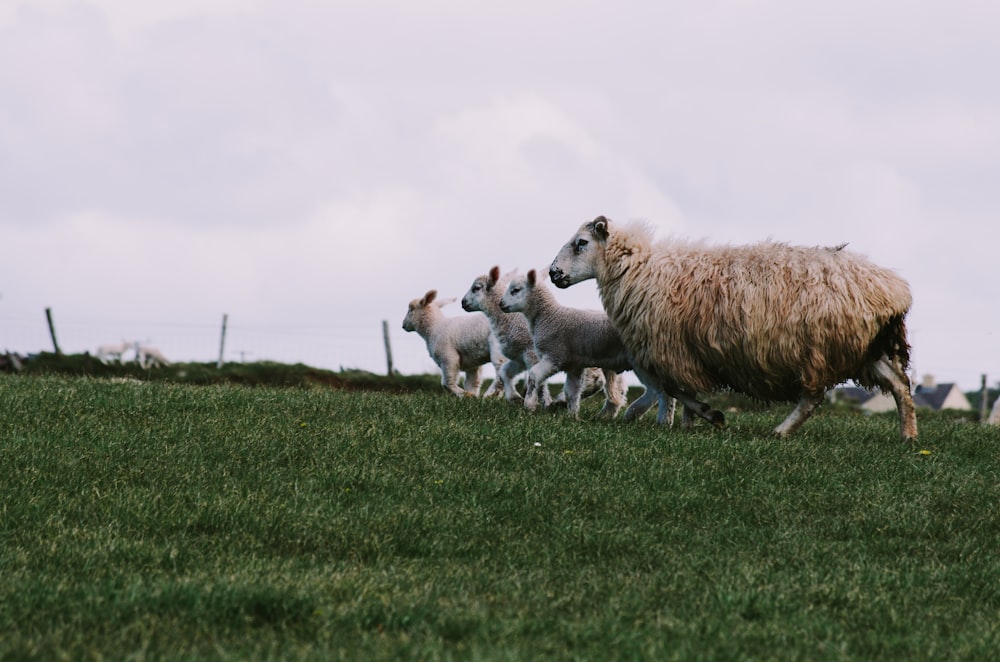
(600, 227)
(532, 278)
(494, 275)
(445, 302)
(429, 298)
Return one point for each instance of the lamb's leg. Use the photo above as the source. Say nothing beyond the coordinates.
(573, 388)
(891, 377)
(449, 377)
(803, 410)
(472, 382)
(509, 371)
(539, 372)
(615, 389)
(497, 387)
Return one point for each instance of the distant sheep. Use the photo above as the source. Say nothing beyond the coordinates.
(457, 344)
(772, 321)
(567, 339)
(113, 351)
(994, 418)
(149, 357)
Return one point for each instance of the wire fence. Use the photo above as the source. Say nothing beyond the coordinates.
(350, 344)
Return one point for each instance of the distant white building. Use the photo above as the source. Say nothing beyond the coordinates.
(929, 395)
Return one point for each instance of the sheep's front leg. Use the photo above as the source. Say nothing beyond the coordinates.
(803, 410)
(539, 372)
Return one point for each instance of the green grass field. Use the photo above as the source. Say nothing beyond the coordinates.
(169, 521)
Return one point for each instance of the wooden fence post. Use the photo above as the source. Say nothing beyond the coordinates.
(983, 398)
(52, 331)
(222, 341)
(388, 347)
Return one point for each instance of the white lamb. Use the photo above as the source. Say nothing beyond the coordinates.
(457, 344)
(149, 357)
(113, 351)
(570, 339)
(512, 332)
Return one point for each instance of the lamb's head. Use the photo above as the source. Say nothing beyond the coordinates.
(517, 297)
(482, 287)
(423, 311)
(577, 261)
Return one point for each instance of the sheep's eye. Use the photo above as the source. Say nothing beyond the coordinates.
(580, 243)
(476, 288)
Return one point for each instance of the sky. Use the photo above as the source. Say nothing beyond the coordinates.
(305, 168)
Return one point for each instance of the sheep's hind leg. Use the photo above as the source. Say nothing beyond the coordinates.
(668, 407)
(891, 377)
(693, 406)
(803, 410)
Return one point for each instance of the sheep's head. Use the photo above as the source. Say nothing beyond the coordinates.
(515, 298)
(577, 260)
(421, 310)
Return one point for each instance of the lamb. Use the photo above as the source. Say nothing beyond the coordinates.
(113, 351)
(457, 344)
(572, 340)
(149, 357)
(512, 332)
(770, 320)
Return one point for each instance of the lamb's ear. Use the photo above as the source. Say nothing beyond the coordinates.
(494, 275)
(532, 278)
(429, 297)
(600, 227)
(445, 302)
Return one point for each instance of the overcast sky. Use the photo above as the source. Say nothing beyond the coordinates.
(308, 167)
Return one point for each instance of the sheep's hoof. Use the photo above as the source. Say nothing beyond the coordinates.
(717, 419)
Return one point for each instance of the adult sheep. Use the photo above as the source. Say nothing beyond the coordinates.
(770, 320)
(457, 344)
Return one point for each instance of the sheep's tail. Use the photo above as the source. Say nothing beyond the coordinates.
(891, 342)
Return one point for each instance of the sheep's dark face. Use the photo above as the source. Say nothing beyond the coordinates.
(577, 260)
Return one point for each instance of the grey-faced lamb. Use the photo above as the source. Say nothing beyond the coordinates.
(770, 320)
(457, 344)
(518, 347)
(571, 340)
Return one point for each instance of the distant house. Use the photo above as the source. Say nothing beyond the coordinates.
(940, 396)
(928, 394)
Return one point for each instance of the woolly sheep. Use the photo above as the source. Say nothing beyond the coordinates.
(512, 332)
(457, 344)
(770, 320)
(571, 340)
